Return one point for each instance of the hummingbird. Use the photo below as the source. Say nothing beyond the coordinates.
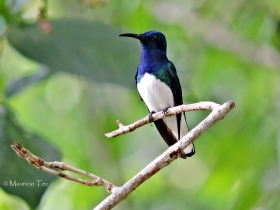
(159, 87)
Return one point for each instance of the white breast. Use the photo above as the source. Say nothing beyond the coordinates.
(158, 96)
(155, 93)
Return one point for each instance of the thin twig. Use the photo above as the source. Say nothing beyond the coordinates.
(172, 153)
(206, 105)
(42, 165)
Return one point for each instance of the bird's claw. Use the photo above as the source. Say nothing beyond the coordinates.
(151, 119)
(164, 111)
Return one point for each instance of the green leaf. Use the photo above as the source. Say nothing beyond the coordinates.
(16, 171)
(19, 84)
(90, 49)
(2, 25)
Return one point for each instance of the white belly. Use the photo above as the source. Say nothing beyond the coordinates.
(155, 93)
(158, 96)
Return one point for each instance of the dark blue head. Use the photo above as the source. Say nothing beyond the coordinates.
(153, 49)
(153, 40)
(150, 40)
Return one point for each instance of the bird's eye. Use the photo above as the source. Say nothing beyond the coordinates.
(156, 37)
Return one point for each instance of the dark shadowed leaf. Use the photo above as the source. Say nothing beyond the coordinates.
(19, 84)
(15, 170)
(2, 25)
(90, 49)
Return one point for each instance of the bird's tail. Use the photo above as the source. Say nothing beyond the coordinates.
(188, 152)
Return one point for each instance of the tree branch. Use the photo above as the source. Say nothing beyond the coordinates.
(159, 115)
(42, 165)
(172, 153)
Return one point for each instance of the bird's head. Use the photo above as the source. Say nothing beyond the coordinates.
(150, 40)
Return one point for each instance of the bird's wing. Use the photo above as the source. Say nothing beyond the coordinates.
(173, 82)
(178, 100)
(176, 90)
(167, 135)
(165, 132)
(168, 75)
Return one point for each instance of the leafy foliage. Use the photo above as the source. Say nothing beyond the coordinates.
(77, 47)
(222, 50)
(17, 177)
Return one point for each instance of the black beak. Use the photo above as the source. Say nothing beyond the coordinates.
(136, 36)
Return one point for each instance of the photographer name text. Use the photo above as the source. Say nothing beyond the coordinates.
(37, 183)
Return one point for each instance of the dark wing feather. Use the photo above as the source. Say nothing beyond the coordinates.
(167, 74)
(165, 132)
(176, 90)
(173, 82)
(167, 135)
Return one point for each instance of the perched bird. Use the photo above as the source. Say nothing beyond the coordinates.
(159, 87)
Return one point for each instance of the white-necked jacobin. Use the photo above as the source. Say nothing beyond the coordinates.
(159, 87)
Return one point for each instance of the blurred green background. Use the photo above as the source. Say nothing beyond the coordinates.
(66, 79)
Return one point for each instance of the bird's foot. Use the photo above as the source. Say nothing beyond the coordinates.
(151, 119)
(164, 111)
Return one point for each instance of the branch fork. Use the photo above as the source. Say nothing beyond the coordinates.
(42, 165)
(117, 194)
(160, 115)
